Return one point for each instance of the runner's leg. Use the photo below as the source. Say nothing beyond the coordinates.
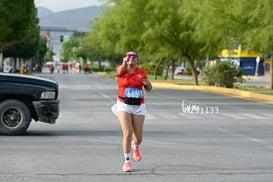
(138, 123)
(125, 120)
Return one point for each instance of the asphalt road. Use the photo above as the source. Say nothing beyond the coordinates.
(188, 136)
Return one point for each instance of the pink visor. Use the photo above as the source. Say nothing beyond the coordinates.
(134, 56)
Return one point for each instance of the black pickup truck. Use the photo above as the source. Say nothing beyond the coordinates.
(26, 98)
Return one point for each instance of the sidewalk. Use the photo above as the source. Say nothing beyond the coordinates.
(263, 81)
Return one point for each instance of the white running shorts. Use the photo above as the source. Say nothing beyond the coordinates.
(132, 109)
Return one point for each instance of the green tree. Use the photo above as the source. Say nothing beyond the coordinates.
(27, 47)
(16, 18)
(105, 35)
(177, 29)
(228, 24)
(42, 49)
(172, 30)
(69, 48)
(164, 31)
(260, 35)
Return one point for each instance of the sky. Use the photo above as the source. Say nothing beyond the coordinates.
(61, 5)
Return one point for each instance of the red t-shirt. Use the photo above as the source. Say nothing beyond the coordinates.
(131, 80)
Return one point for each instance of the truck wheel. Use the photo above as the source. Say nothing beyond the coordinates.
(15, 117)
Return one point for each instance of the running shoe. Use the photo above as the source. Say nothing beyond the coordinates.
(127, 167)
(137, 154)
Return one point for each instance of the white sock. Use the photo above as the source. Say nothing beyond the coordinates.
(127, 156)
(136, 146)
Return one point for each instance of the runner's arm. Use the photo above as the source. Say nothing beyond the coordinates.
(121, 69)
(147, 85)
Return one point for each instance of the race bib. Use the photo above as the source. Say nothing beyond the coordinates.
(133, 93)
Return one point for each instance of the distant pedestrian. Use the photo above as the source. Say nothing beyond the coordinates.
(130, 107)
(86, 67)
(51, 68)
(65, 68)
(80, 68)
(58, 67)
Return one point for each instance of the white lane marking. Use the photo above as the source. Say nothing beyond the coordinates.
(234, 115)
(168, 115)
(267, 115)
(254, 116)
(105, 96)
(256, 140)
(149, 116)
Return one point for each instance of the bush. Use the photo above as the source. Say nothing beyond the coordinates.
(223, 74)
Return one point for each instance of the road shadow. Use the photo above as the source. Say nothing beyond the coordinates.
(96, 133)
(74, 133)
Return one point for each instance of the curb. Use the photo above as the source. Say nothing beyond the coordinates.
(218, 90)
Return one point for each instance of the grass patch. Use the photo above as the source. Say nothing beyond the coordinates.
(111, 74)
(176, 80)
(254, 89)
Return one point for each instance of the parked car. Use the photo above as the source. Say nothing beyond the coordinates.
(180, 71)
(26, 98)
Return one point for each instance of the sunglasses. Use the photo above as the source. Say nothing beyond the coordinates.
(134, 56)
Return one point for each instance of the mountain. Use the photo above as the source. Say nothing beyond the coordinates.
(78, 19)
(43, 11)
(74, 19)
